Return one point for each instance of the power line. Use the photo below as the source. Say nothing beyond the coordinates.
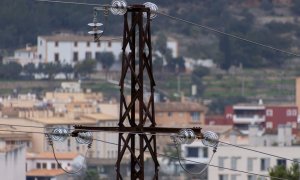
(72, 2)
(253, 150)
(227, 34)
(215, 166)
(139, 133)
(160, 154)
(187, 22)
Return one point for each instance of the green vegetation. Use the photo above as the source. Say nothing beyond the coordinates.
(280, 171)
(21, 25)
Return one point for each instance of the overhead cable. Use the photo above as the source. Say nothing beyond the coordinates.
(187, 22)
(172, 157)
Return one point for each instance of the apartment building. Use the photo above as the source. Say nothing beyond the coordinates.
(12, 162)
(267, 116)
(248, 161)
(183, 114)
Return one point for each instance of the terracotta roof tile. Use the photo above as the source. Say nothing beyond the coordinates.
(45, 172)
(179, 107)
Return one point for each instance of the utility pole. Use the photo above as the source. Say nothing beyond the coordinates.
(137, 127)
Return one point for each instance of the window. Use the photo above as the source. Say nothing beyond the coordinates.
(40, 56)
(44, 165)
(264, 164)
(56, 57)
(251, 177)
(88, 55)
(69, 142)
(170, 114)
(53, 166)
(192, 152)
(56, 43)
(234, 176)
(98, 44)
(269, 125)
(250, 164)
(223, 177)
(88, 44)
(294, 112)
(234, 162)
(109, 43)
(41, 42)
(269, 112)
(38, 165)
(75, 56)
(195, 116)
(205, 152)
(281, 162)
(221, 162)
(75, 43)
(288, 112)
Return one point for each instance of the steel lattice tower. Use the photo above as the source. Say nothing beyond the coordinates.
(138, 65)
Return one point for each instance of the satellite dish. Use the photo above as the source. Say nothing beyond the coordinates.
(95, 24)
(95, 32)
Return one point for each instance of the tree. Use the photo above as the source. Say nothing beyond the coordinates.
(52, 69)
(67, 69)
(11, 70)
(107, 59)
(85, 68)
(296, 7)
(280, 171)
(197, 76)
(29, 69)
(218, 105)
(91, 175)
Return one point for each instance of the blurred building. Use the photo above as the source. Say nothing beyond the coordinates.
(248, 161)
(71, 48)
(12, 161)
(24, 56)
(179, 114)
(267, 116)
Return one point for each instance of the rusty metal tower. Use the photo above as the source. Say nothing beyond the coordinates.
(137, 128)
(137, 63)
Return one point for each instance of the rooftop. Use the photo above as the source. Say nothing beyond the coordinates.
(64, 121)
(179, 107)
(49, 155)
(74, 37)
(45, 172)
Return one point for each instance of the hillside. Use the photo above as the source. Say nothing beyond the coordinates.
(276, 25)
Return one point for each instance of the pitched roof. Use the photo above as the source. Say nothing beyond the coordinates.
(179, 107)
(45, 172)
(63, 121)
(49, 155)
(74, 37)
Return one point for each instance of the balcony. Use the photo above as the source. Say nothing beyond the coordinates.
(248, 119)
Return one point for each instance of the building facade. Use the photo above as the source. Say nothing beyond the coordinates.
(70, 48)
(248, 161)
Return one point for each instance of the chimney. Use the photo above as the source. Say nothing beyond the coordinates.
(28, 47)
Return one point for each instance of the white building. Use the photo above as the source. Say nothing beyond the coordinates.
(12, 162)
(248, 161)
(24, 56)
(43, 165)
(70, 48)
(46, 161)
